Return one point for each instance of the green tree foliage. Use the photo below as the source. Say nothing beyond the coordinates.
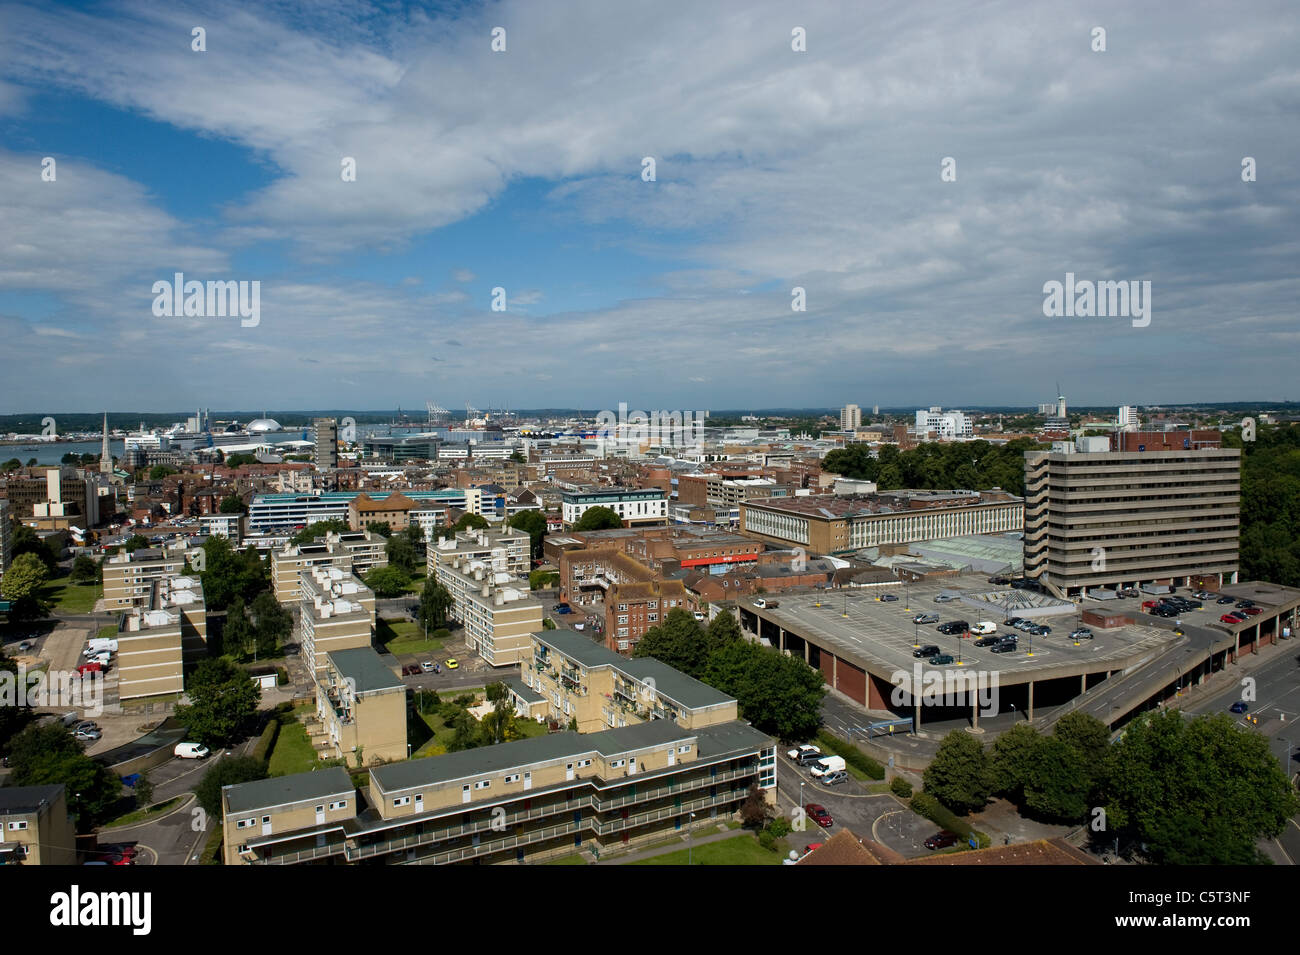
(319, 529)
(678, 642)
(548, 623)
(160, 471)
(229, 771)
(467, 522)
(1058, 784)
(435, 604)
(85, 570)
(778, 694)
(382, 528)
(13, 464)
(533, 523)
(22, 583)
(239, 460)
(465, 735)
(26, 541)
(224, 703)
(401, 554)
(230, 573)
(143, 790)
(135, 542)
(1270, 503)
(959, 775)
(232, 504)
(598, 519)
(517, 457)
(1011, 761)
(386, 581)
(1196, 792)
(977, 465)
(273, 623)
(237, 634)
(47, 755)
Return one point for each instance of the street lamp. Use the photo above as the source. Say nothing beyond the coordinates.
(690, 841)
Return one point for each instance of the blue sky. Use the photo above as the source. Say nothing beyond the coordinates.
(522, 170)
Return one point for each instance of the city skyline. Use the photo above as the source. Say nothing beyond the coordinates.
(919, 181)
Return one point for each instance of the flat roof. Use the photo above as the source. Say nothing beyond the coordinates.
(363, 666)
(282, 790)
(15, 799)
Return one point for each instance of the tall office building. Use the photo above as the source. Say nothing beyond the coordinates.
(850, 417)
(1127, 418)
(327, 443)
(1126, 518)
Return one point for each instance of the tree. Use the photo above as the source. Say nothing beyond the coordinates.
(143, 790)
(548, 623)
(755, 811)
(229, 573)
(1058, 783)
(239, 460)
(1196, 792)
(778, 694)
(435, 604)
(386, 581)
(517, 457)
(26, 541)
(959, 775)
(232, 504)
(22, 583)
(224, 703)
(723, 630)
(678, 642)
(382, 528)
(466, 734)
(229, 771)
(135, 542)
(13, 464)
(43, 755)
(237, 634)
(85, 570)
(319, 529)
(467, 522)
(533, 523)
(1012, 760)
(598, 519)
(273, 625)
(160, 471)
(401, 554)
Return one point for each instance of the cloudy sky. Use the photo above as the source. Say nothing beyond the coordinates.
(522, 170)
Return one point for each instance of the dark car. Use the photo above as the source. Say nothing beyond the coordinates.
(1243, 604)
(1252, 611)
(941, 659)
(953, 626)
(819, 815)
(1225, 600)
(1041, 630)
(1006, 646)
(988, 641)
(1014, 621)
(808, 757)
(926, 651)
(942, 840)
(1238, 707)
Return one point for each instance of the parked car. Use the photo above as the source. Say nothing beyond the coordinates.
(928, 650)
(1238, 707)
(25, 646)
(1229, 618)
(1243, 604)
(411, 669)
(190, 751)
(835, 778)
(944, 598)
(452, 664)
(1225, 600)
(941, 659)
(984, 627)
(942, 840)
(1252, 611)
(1006, 646)
(88, 736)
(1149, 604)
(426, 666)
(808, 758)
(992, 641)
(811, 846)
(85, 668)
(953, 626)
(926, 618)
(1129, 592)
(1083, 633)
(85, 725)
(819, 815)
(801, 749)
(887, 597)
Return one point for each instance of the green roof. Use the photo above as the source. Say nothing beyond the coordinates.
(283, 790)
(363, 667)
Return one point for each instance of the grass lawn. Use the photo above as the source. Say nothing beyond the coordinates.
(68, 597)
(293, 751)
(576, 859)
(742, 850)
(403, 636)
(139, 814)
(108, 632)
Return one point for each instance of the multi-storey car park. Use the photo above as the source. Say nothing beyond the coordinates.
(1133, 661)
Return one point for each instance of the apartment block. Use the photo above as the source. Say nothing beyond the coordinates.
(6, 537)
(850, 417)
(569, 677)
(326, 435)
(633, 506)
(505, 550)
(309, 808)
(495, 608)
(34, 826)
(128, 577)
(360, 709)
(827, 523)
(352, 551)
(336, 612)
(631, 609)
(393, 510)
(155, 640)
(233, 527)
(519, 802)
(1123, 519)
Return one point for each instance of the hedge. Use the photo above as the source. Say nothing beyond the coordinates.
(901, 788)
(852, 755)
(262, 751)
(211, 854)
(923, 804)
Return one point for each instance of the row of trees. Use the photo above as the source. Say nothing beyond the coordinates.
(1191, 791)
(976, 465)
(1270, 503)
(266, 629)
(778, 694)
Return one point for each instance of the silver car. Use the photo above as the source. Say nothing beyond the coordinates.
(831, 779)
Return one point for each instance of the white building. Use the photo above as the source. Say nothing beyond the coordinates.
(949, 425)
(850, 417)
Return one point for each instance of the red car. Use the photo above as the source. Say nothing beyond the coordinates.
(1149, 605)
(1228, 618)
(819, 815)
(1252, 611)
(89, 668)
(942, 840)
(411, 669)
(126, 852)
(811, 846)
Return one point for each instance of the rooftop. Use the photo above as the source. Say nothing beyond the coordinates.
(16, 799)
(363, 666)
(283, 790)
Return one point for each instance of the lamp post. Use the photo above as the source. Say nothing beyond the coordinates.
(690, 841)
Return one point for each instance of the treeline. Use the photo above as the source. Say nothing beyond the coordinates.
(973, 465)
(1270, 503)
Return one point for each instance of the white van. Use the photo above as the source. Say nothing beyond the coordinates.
(828, 764)
(190, 751)
(984, 628)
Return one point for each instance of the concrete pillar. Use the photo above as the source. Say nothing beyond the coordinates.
(780, 635)
(975, 713)
(1083, 683)
(916, 708)
(1031, 701)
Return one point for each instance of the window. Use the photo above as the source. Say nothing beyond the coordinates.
(686, 748)
(584, 762)
(617, 763)
(512, 778)
(622, 606)
(266, 820)
(341, 804)
(653, 617)
(18, 825)
(654, 605)
(244, 823)
(622, 618)
(322, 808)
(402, 801)
(483, 784)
